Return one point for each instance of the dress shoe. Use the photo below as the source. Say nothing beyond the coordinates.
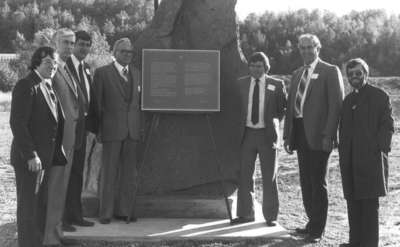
(349, 245)
(271, 222)
(69, 242)
(241, 220)
(105, 221)
(125, 218)
(68, 228)
(301, 230)
(313, 239)
(82, 222)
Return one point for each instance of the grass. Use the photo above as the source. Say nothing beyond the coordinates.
(291, 209)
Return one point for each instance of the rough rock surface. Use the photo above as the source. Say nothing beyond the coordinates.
(181, 158)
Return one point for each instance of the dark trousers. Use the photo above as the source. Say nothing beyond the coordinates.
(313, 171)
(118, 177)
(73, 204)
(31, 207)
(256, 142)
(363, 221)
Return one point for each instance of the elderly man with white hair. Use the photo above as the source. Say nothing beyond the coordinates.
(116, 89)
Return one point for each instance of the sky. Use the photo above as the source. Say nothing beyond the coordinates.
(340, 7)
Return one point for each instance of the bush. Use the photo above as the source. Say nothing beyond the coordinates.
(8, 77)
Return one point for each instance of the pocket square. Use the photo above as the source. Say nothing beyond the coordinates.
(314, 76)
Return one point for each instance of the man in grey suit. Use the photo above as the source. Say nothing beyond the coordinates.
(263, 101)
(116, 87)
(312, 117)
(70, 95)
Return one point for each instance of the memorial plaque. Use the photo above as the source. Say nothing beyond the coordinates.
(181, 80)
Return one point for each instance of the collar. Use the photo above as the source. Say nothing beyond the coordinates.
(75, 61)
(61, 63)
(262, 79)
(120, 67)
(37, 73)
(360, 90)
(313, 64)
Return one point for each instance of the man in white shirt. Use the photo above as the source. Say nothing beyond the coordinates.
(263, 100)
(116, 90)
(80, 70)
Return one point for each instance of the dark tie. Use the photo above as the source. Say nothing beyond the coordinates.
(82, 81)
(125, 73)
(301, 90)
(256, 102)
(52, 95)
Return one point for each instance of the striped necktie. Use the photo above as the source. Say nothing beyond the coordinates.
(301, 90)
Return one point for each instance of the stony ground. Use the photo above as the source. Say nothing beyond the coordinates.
(291, 209)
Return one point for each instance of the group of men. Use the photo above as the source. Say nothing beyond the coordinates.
(52, 110)
(55, 106)
(314, 111)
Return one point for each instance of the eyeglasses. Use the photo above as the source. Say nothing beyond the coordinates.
(126, 51)
(308, 47)
(356, 73)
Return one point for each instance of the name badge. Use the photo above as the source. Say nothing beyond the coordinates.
(314, 76)
(271, 87)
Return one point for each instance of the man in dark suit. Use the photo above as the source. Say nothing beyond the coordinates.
(263, 101)
(70, 96)
(312, 117)
(116, 87)
(365, 134)
(81, 73)
(36, 122)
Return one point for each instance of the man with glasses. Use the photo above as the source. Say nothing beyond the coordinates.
(365, 134)
(312, 117)
(116, 87)
(263, 100)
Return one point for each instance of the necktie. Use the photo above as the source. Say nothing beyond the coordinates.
(125, 73)
(301, 90)
(256, 102)
(82, 81)
(52, 96)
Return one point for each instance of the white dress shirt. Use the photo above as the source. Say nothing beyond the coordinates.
(310, 72)
(261, 84)
(120, 69)
(76, 63)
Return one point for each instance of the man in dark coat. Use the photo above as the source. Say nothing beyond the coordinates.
(365, 131)
(36, 122)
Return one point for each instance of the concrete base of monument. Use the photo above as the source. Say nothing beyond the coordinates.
(155, 229)
(181, 206)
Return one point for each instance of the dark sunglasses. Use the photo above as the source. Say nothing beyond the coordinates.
(356, 73)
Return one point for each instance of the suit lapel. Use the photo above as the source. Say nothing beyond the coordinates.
(118, 77)
(135, 82)
(46, 94)
(267, 92)
(71, 68)
(317, 70)
(68, 79)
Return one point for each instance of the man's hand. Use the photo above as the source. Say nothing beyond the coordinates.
(327, 144)
(287, 148)
(35, 164)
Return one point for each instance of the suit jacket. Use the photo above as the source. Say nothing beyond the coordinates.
(274, 105)
(321, 108)
(365, 131)
(70, 97)
(36, 125)
(119, 118)
(89, 122)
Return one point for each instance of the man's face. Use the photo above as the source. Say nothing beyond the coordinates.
(123, 53)
(48, 67)
(357, 77)
(81, 49)
(257, 69)
(65, 45)
(308, 50)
